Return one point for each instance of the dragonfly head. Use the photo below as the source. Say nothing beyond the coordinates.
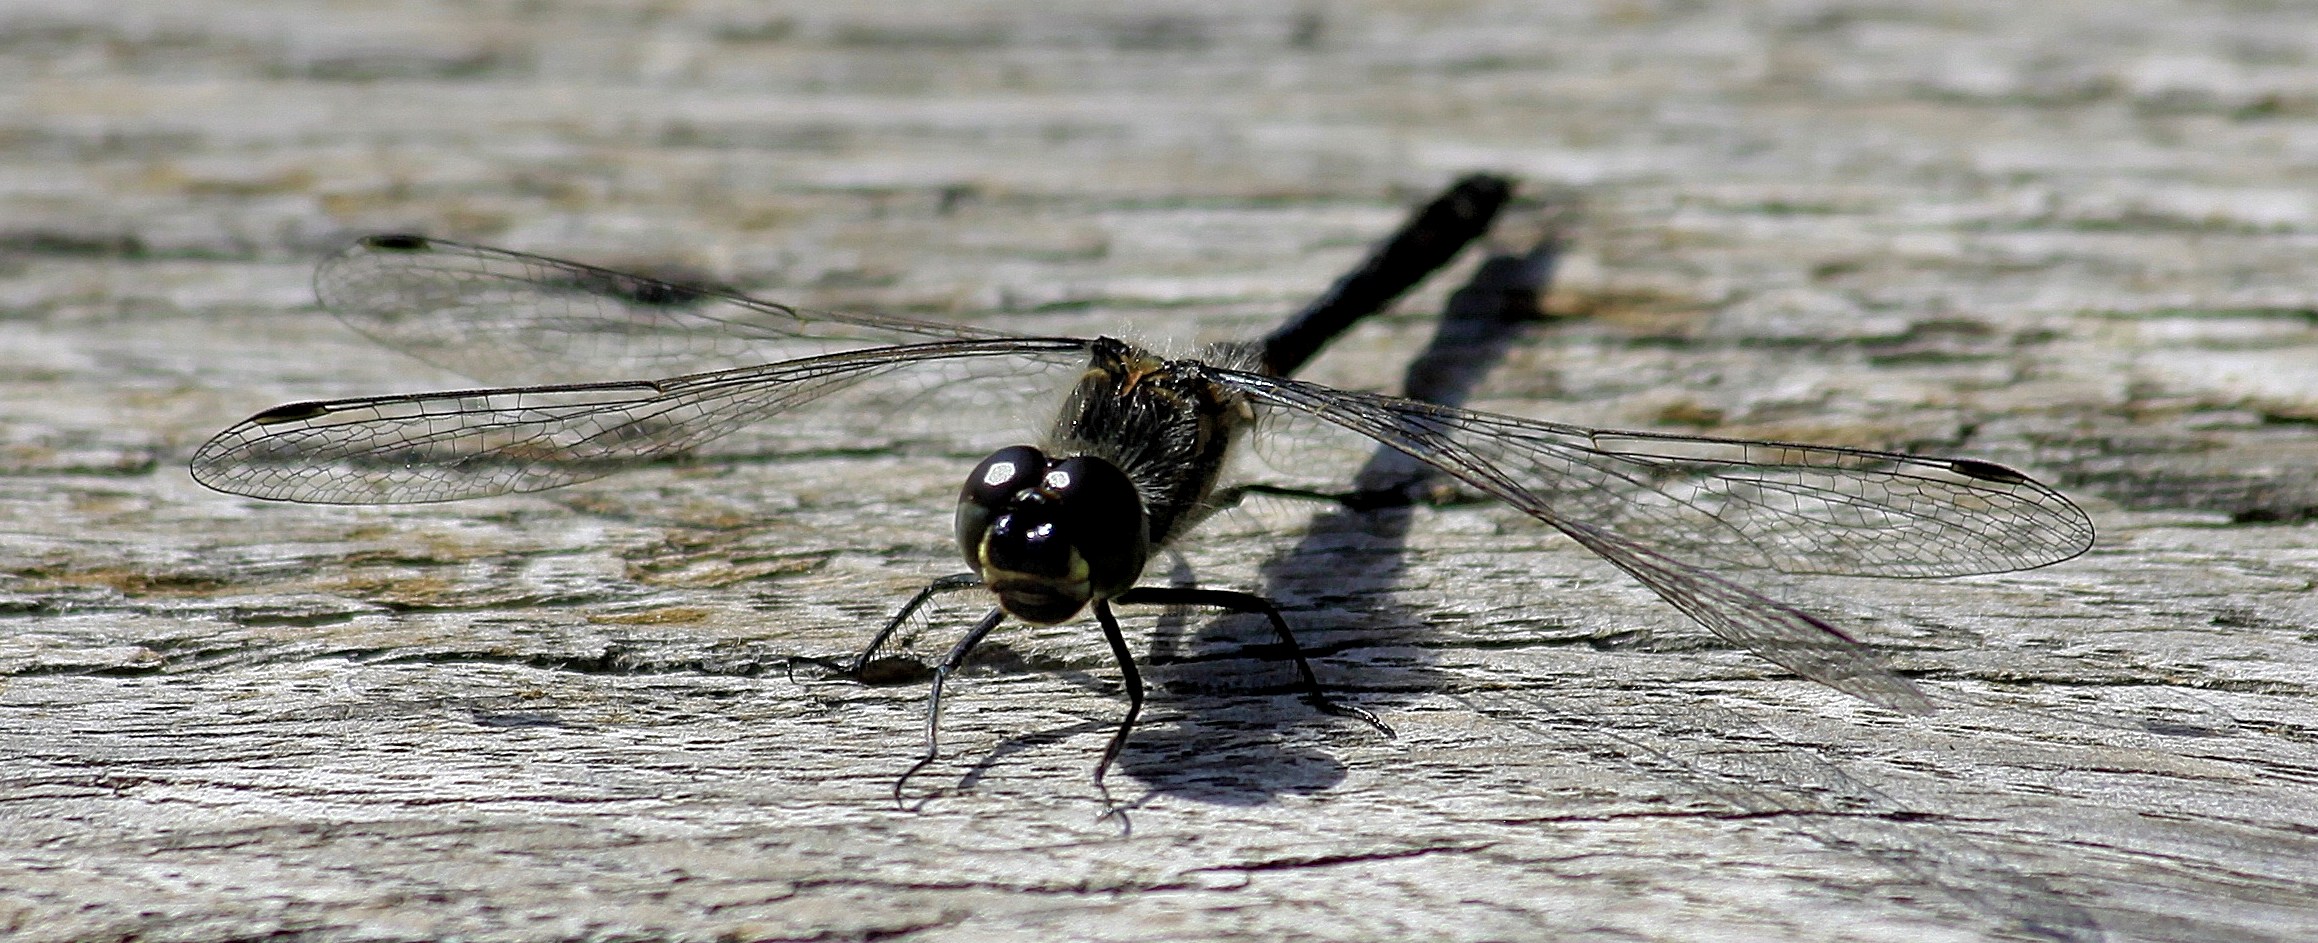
(1049, 536)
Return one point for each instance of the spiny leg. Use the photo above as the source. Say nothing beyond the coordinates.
(1134, 679)
(950, 663)
(947, 584)
(1250, 602)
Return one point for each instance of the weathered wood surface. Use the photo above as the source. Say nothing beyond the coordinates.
(2073, 236)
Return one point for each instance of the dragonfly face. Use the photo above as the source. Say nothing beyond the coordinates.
(1130, 463)
(1049, 536)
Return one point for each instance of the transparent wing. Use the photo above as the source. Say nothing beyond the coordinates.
(1786, 636)
(1767, 505)
(512, 318)
(1646, 502)
(465, 444)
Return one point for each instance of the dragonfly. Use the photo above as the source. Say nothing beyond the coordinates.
(1132, 462)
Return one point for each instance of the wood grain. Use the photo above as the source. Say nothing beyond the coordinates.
(2070, 236)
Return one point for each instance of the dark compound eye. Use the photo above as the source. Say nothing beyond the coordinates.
(1094, 489)
(1006, 472)
(1030, 541)
(993, 485)
(1106, 520)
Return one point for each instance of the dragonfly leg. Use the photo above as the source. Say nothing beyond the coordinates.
(950, 663)
(1134, 682)
(1250, 602)
(947, 584)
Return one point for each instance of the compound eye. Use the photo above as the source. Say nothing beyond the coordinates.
(1004, 474)
(1094, 489)
(995, 485)
(1107, 521)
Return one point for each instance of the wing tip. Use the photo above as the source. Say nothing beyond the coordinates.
(396, 242)
(1989, 471)
(1903, 698)
(289, 412)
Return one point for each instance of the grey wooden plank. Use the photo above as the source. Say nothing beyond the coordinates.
(2069, 236)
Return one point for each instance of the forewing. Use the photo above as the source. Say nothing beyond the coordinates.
(464, 444)
(512, 318)
(1780, 506)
